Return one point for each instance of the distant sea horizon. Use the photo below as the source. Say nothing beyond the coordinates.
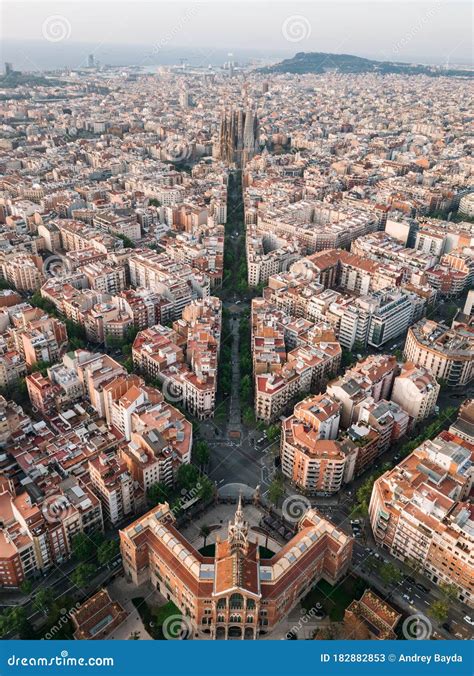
(41, 55)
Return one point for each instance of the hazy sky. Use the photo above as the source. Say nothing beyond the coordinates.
(433, 30)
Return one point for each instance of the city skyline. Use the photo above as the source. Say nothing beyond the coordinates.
(237, 326)
(427, 31)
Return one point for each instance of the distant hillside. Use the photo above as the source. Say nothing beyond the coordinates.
(319, 62)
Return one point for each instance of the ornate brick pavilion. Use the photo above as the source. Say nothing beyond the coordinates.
(235, 594)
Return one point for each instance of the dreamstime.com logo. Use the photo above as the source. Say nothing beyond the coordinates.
(62, 660)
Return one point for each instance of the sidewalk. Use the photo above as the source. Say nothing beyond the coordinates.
(123, 591)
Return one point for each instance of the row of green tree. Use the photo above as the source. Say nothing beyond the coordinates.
(364, 492)
(90, 552)
(225, 357)
(190, 483)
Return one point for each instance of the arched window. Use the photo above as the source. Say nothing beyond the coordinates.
(221, 604)
(220, 618)
(249, 619)
(236, 602)
(250, 604)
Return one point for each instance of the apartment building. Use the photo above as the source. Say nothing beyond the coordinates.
(146, 307)
(12, 366)
(463, 427)
(375, 319)
(177, 282)
(37, 532)
(113, 485)
(373, 377)
(311, 457)
(76, 235)
(94, 371)
(416, 390)
(104, 277)
(38, 337)
(23, 271)
(420, 512)
(307, 368)
(106, 323)
(447, 353)
(430, 241)
(14, 423)
(389, 420)
(125, 223)
(291, 357)
(184, 359)
(268, 255)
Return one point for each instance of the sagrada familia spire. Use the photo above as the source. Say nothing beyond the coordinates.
(239, 136)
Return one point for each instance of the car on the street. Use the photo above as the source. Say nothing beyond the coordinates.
(355, 522)
(469, 620)
(422, 588)
(411, 580)
(446, 626)
(408, 599)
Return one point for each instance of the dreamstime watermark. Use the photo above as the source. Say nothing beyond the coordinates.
(296, 628)
(417, 28)
(417, 628)
(180, 503)
(56, 28)
(296, 28)
(295, 506)
(172, 391)
(177, 628)
(177, 151)
(169, 37)
(286, 265)
(56, 266)
(66, 615)
(56, 508)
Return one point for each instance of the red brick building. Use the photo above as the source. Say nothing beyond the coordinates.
(235, 594)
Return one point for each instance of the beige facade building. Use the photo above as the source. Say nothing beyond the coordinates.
(416, 390)
(447, 353)
(420, 512)
(23, 272)
(310, 455)
(113, 485)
